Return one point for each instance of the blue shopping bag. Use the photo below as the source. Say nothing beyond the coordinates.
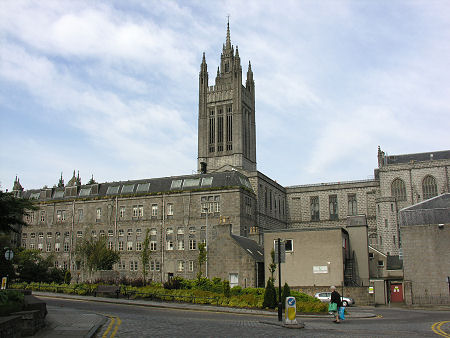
(342, 313)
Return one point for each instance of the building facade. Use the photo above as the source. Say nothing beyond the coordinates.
(174, 210)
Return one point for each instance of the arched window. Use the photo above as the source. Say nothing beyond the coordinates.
(398, 189)
(429, 187)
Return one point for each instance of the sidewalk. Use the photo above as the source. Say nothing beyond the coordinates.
(73, 324)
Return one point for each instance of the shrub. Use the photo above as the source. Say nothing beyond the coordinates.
(236, 291)
(286, 292)
(226, 289)
(67, 277)
(173, 284)
(10, 301)
(270, 298)
(312, 307)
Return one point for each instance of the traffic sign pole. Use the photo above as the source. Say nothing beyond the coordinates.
(280, 311)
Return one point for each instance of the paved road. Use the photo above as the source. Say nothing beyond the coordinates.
(138, 321)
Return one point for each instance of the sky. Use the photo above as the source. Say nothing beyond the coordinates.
(110, 88)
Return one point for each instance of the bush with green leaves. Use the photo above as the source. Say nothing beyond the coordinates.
(10, 301)
(270, 297)
(226, 289)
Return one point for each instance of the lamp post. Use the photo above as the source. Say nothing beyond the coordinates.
(206, 241)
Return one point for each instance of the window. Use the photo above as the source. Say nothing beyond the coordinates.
(169, 209)
(31, 245)
(127, 189)
(154, 210)
(169, 231)
(234, 280)
(133, 265)
(191, 265)
(152, 232)
(352, 210)
(380, 263)
(386, 223)
(49, 235)
(314, 205)
(129, 246)
(192, 244)
(122, 212)
(32, 235)
(135, 211)
(80, 215)
(42, 216)
(429, 187)
(60, 215)
(66, 234)
(371, 256)
(49, 247)
(392, 207)
(180, 231)
(138, 232)
(66, 247)
(112, 190)
(98, 214)
(110, 245)
(120, 246)
(393, 238)
(210, 204)
(398, 189)
(129, 232)
(180, 266)
(142, 187)
(93, 233)
(333, 207)
(169, 245)
(180, 244)
(138, 246)
(121, 232)
(102, 233)
(110, 233)
(157, 266)
(153, 245)
(141, 211)
(248, 206)
(122, 265)
(289, 245)
(79, 233)
(24, 235)
(57, 247)
(192, 230)
(176, 184)
(41, 235)
(152, 265)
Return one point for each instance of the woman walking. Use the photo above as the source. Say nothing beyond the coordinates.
(335, 303)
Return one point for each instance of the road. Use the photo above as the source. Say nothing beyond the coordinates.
(138, 321)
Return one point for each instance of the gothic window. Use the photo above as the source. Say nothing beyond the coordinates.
(229, 129)
(429, 187)
(220, 131)
(227, 67)
(333, 207)
(398, 189)
(352, 206)
(314, 208)
(212, 131)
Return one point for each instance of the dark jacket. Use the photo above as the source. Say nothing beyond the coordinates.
(336, 298)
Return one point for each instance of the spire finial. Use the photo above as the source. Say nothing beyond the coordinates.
(228, 42)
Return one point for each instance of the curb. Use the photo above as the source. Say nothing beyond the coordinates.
(96, 327)
(180, 306)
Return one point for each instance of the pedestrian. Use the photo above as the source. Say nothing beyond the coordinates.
(335, 303)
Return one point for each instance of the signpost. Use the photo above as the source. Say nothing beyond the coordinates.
(280, 310)
(9, 254)
(291, 311)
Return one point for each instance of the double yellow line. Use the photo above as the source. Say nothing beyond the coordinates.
(115, 322)
(437, 328)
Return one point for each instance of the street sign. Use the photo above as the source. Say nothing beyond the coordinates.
(282, 251)
(9, 254)
(291, 311)
(371, 289)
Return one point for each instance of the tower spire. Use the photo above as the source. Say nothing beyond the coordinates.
(228, 42)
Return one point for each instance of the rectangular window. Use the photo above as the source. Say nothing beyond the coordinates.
(141, 211)
(169, 209)
(157, 266)
(138, 246)
(49, 235)
(80, 215)
(57, 247)
(42, 216)
(180, 244)
(180, 266)
(121, 232)
(110, 245)
(352, 206)
(169, 245)
(49, 247)
(289, 245)
(210, 204)
(122, 212)
(135, 211)
(32, 246)
(130, 232)
(110, 233)
(315, 208)
(138, 232)
(122, 265)
(129, 246)
(191, 265)
(120, 246)
(192, 244)
(333, 207)
(79, 233)
(152, 265)
(234, 280)
(153, 245)
(154, 210)
(41, 235)
(98, 215)
(66, 247)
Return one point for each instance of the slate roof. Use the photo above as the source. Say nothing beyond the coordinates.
(419, 157)
(251, 247)
(435, 210)
(394, 263)
(213, 181)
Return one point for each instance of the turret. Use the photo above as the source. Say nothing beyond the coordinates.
(61, 181)
(250, 84)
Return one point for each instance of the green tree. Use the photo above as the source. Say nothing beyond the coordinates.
(95, 255)
(270, 297)
(286, 292)
(145, 255)
(202, 255)
(12, 211)
(32, 267)
(272, 266)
